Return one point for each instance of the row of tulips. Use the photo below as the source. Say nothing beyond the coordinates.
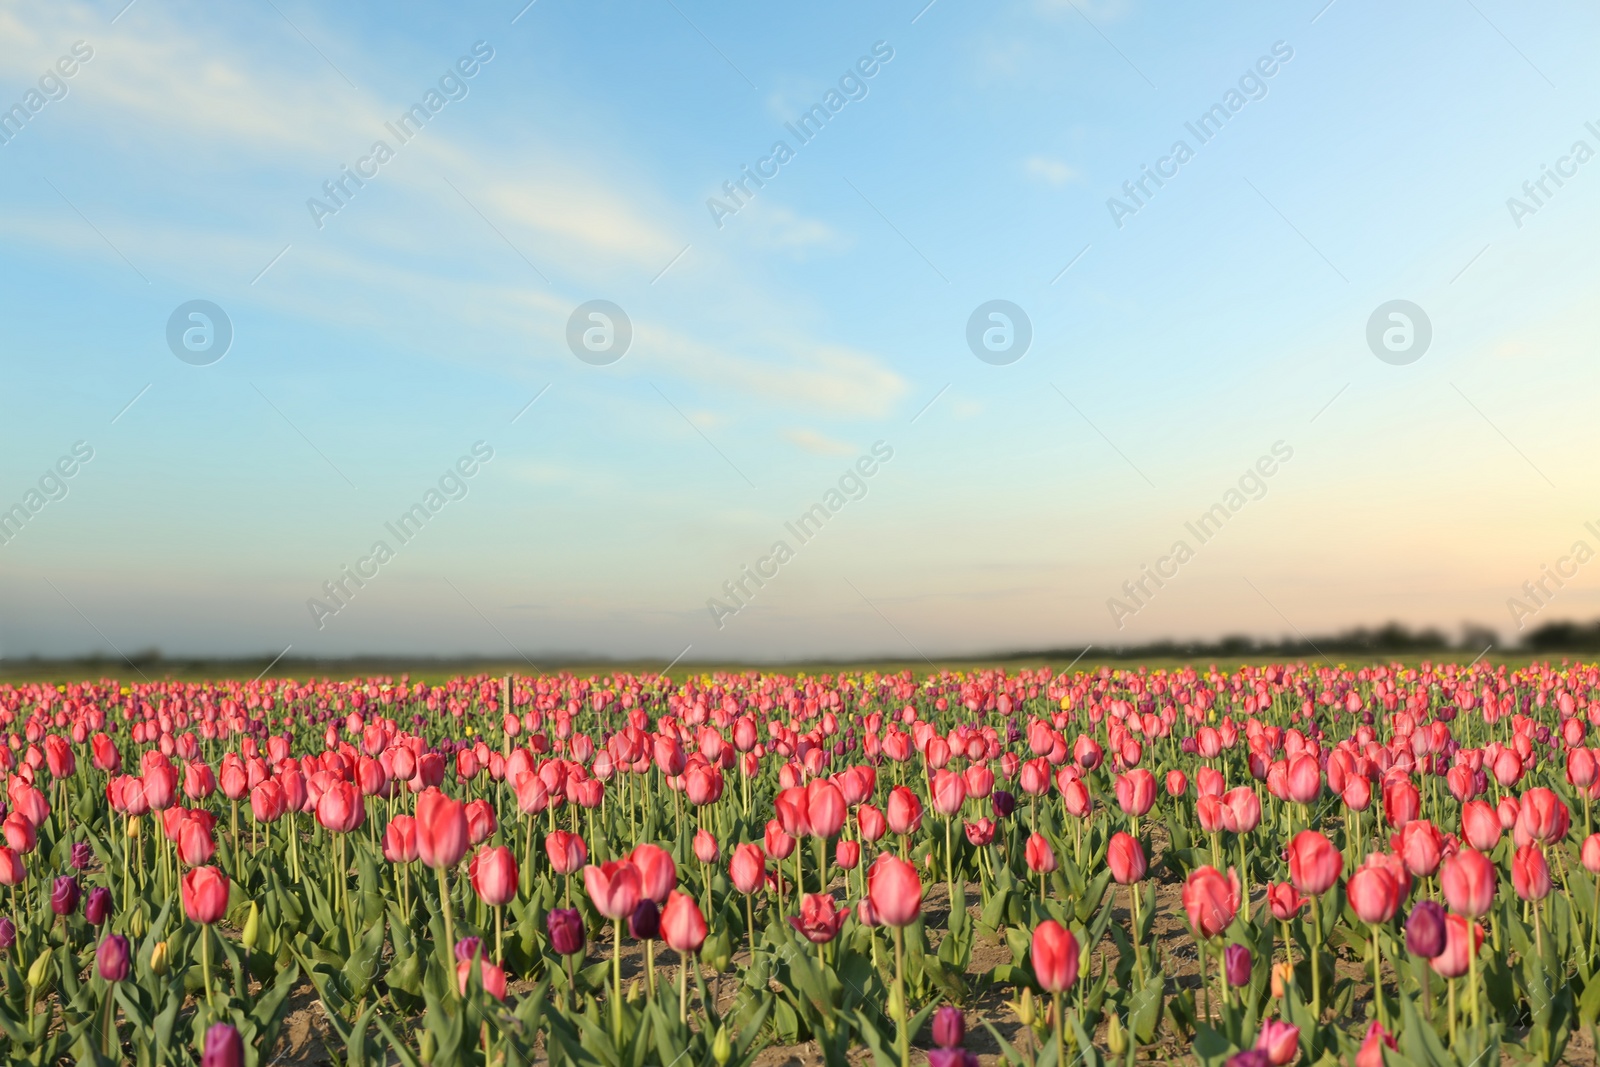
(1380, 865)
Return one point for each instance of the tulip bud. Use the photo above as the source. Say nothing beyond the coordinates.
(1116, 1036)
(1425, 930)
(252, 927)
(8, 934)
(949, 1027)
(468, 947)
(97, 907)
(425, 1047)
(82, 855)
(133, 826)
(112, 958)
(722, 1047)
(1236, 965)
(64, 896)
(566, 930)
(158, 958)
(635, 994)
(39, 970)
(896, 1004)
(224, 1047)
(645, 922)
(1025, 1009)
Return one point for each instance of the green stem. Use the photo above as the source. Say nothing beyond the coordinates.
(900, 995)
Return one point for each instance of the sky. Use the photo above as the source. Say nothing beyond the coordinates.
(796, 423)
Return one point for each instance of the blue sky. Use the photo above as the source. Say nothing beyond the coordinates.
(770, 353)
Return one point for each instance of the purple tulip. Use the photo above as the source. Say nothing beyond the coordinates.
(82, 855)
(566, 931)
(1236, 965)
(224, 1047)
(1253, 1057)
(112, 958)
(951, 1057)
(645, 922)
(949, 1027)
(467, 948)
(64, 898)
(8, 933)
(1425, 930)
(97, 908)
(1003, 803)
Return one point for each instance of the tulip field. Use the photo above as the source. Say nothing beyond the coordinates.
(1294, 863)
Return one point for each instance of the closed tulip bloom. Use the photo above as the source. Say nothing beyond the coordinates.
(1040, 856)
(8, 933)
(645, 922)
(683, 928)
(12, 871)
(895, 890)
(1469, 882)
(1508, 810)
(1055, 957)
(949, 792)
(905, 811)
(614, 887)
(1425, 930)
(1236, 965)
(566, 850)
(1210, 900)
(1126, 859)
(1245, 808)
(1373, 895)
(566, 931)
(19, 832)
(1284, 901)
(1480, 825)
(1003, 803)
(1305, 779)
(1177, 783)
(64, 896)
(1314, 864)
(747, 869)
(1401, 802)
(97, 906)
(780, 844)
(1211, 813)
(1542, 816)
(949, 1027)
(1461, 944)
(820, 918)
(1530, 873)
(224, 1047)
(1590, 853)
(1136, 791)
(1420, 846)
(205, 894)
(847, 854)
(979, 781)
(112, 958)
(871, 823)
(400, 840)
(441, 829)
(657, 873)
(480, 821)
(495, 876)
(1357, 795)
(1280, 1041)
(1076, 799)
(793, 809)
(195, 846)
(705, 846)
(826, 808)
(1371, 1053)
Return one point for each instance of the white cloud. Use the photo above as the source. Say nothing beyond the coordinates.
(1050, 171)
(818, 444)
